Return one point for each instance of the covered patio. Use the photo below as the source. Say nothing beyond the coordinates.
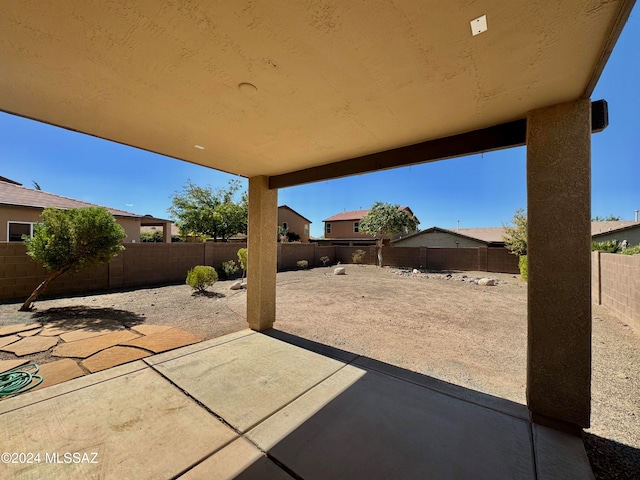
(298, 92)
(253, 406)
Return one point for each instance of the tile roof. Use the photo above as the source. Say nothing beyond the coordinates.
(19, 196)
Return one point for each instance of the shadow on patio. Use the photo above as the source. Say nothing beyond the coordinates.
(251, 405)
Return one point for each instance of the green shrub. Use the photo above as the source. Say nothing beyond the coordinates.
(302, 264)
(358, 256)
(229, 268)
(324, 260)
(611, 246)
(154, 236)
(635, 250)
(243, 255)
(200, 277)
(524, 273)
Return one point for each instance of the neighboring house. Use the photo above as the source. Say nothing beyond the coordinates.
(344, 229)
(620, 230)
(294, 222)
(436, 237)
(20, 209)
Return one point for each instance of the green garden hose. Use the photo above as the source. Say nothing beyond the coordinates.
(19, 380)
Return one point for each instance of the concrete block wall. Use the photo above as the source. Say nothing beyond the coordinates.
(345, 254)
(290, 253)
(619, 285)
(501, 260)
(162, 263)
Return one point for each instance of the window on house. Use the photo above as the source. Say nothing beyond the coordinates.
(16, 230)
(306, 227)
(285, 225)
(356, 227)
(327, 228)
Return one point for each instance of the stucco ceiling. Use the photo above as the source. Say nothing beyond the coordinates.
(334, 79)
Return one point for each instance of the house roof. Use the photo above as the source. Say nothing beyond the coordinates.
(484, 235)
(358, 215)
(494, 234)
(16, 195)
(279, 87)
(604, 228)
(293, 211)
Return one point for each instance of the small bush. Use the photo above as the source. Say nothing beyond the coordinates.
(358, 256)
(524, 273)
(324, 260)
(611, 246)
(302, 264)
(229, 268)
(200, 277)
(243, 255)
(635, 250)
(154, 236)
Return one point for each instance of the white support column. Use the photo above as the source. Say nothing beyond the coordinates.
(262, 254)
(559, 265)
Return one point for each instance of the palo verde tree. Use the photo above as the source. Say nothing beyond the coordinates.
(515, 240)
(385, 221)
(207, 213)
(515, 235)
(70, 240)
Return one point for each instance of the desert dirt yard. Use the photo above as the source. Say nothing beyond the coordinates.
(439, 324)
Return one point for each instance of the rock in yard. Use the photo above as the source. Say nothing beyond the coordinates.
(415, 271)
(487, 282)
(236, 285)
(340, 271)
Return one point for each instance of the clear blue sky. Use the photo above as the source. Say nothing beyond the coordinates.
(479, 191)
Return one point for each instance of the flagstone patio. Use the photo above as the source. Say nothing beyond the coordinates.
(86, 350)
(251, 405)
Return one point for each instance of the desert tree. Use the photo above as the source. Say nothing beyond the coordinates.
(208, 213)
(515, 234)
(71, 240)
(385, 221)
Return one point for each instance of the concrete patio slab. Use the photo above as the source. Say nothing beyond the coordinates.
(295, 413)
(87, 347)
(364, 424)
(9, 340)
(30, 345)
(80, 383)
(150, 329)
(559, 455)
(241, 461)
(6, 365)
(11, 329)
(58, 372)
(197, 347)
(246, 380)
(138, 425)
(485, 400)
(162, 341)
(112, 357)
(86, 333)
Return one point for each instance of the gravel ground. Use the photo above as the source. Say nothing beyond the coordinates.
(438, 324)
